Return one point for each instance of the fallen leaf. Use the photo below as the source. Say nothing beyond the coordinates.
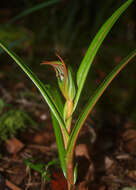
(129, 138)
(58, 182)
(108, 162)
(129, 134)
(14, 145)
(81, 150)
(131, 174)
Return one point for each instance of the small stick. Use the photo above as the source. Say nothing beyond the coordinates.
(11, 185)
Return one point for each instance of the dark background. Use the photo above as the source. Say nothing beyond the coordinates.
(67, 28)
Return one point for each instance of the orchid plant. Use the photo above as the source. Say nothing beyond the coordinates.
(62, 112)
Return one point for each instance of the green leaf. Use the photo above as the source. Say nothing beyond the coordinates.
(75, 173)
(57, 98)
(31, 10)
(44, 91)
(52, 162)
(70, 85)
(58, 134)
(93, 100)
(37, 167)
(60, 143)
(94, 47)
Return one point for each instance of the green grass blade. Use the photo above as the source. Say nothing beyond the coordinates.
(57, 97)
(93, 48)
(31, 10)
(44, 91)
(94, 98)
(60, 143)
(59, 138)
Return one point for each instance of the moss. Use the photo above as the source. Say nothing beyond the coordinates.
(13, 121)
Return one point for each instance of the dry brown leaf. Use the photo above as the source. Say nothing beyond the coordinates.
(81, 150)
(108, 162)
(14, 145)
(129, 137)
(129, 134)
(131, 174)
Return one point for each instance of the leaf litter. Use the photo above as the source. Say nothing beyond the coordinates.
(106, 162)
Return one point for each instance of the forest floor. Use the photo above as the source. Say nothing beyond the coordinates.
(106, 156)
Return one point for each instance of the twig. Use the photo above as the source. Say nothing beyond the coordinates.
(11, 185)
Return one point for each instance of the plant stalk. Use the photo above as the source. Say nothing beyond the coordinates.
(70, 174)
(69, 158)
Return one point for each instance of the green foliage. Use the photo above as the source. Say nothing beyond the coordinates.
(2, 104)
(13, 121)
(66, 136)
(43, 169)
(32, 9)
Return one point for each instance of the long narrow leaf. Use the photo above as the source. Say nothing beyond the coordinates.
(44, 91)
(93, 48)
(59, 138)
(31, 10)
(94, 98)
(55, 93)
(60, 143)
